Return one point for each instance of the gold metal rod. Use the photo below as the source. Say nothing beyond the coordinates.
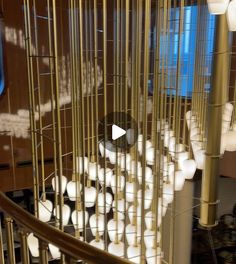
(31, 104)
(144, 120)
(137, 91)
(95, 64)
(87, 83)
(58, 116)
(24, 247)
(92, 69)
(10, 240)
(73, 85)
(177, 107)
(104, 61)
(2, 258)
(39, 104)
(217, 99)
(126, 72)
(43, 252)
(77, 110)
(156, 86)
(51, 66)
(81, 93)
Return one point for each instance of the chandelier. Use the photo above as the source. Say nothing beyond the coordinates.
(119, 57)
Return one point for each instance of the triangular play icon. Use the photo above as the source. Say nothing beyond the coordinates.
(117, 132)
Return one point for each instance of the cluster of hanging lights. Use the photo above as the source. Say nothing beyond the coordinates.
(120, 197)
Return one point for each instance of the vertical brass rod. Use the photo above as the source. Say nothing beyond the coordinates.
(145, 98)
(58, 116)
(24, 247)
(217, 99)
(156, 85)
(2, 259)
(104, 61)
(31, 104)
(39, 104)
(73, 87)
(87, 84)
(10, 240)
(126, 73)
(96, 105)
(92, 69)
(51, 67)
(177, 106)
(81, 93)
(43, 252)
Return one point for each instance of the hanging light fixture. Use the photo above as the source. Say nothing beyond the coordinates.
(121, 183)
(71, 189)
(65, 213)
(98, 243)
(177, 180)
(92, 170)
(133, 234)
(90, 196)
(148, 196)
(188, 168)
(135, 212)
(231, 18)
(168, 192)
(55, 183)
(130, 191)
(134, 253)
(45, 210)
(217, 7)
(78, 217)
(117, 249)
(101, 175)
(96, 223)
(150, 236)
(122, 205)
(154, 255)
(115, 229)
(55, 252)
(33, 244)
(100, 201)
(230, 141)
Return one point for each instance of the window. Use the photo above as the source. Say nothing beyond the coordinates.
(2, 80)
(169, 47)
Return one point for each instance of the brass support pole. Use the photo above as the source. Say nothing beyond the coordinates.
(10, 240)
(217, 99)
(58, 116)
(43, 252)
(2, 260)
(24, 247)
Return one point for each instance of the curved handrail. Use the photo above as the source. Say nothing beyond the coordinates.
(67, 243)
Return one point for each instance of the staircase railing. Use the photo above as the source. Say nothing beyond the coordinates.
(71, 248)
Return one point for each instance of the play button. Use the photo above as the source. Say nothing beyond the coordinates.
(119, 130)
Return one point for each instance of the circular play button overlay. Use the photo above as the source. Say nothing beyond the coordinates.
(119, 130)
